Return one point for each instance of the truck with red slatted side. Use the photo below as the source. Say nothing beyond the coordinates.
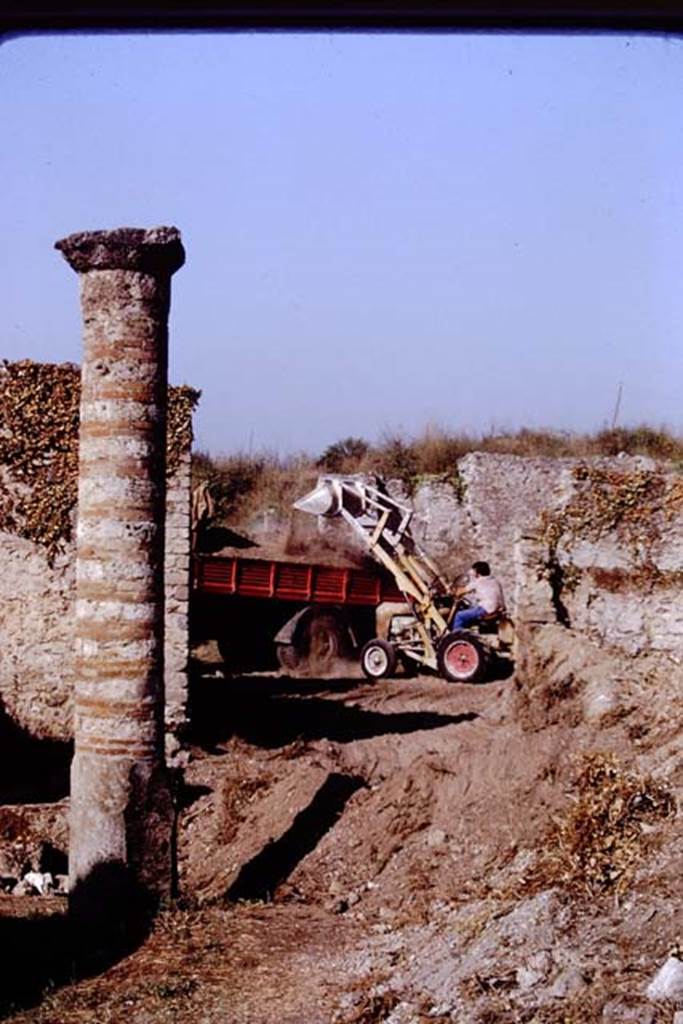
(276, 610)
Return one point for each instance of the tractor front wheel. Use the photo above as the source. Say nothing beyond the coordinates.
(378, 659)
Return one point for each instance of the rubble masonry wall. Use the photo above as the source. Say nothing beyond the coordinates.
(610, 593)
(37, 624)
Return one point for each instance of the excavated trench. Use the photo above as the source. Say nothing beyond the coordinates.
(414, 813)
(261, 877)
(355, 853)
(281, 766)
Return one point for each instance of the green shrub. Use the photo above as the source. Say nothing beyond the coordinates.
(396, 460)
(344, 456)
(642, 440)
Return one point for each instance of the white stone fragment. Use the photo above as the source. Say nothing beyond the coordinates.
(668, 981)
(42, 882)
(599, 699)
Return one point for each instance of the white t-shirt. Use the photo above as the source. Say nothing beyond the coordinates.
(487, 593)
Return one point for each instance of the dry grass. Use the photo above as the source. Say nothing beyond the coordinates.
(216, 965)
(373, 1009)
(244, 484)
(235, 796)
(596, 846)
(39, 422)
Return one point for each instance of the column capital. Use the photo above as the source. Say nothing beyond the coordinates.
(147, 250)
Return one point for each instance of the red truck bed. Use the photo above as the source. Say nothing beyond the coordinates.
(291, 581)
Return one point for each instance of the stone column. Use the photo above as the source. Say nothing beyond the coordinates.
(121, 811)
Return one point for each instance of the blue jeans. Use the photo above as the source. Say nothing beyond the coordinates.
(466, 616)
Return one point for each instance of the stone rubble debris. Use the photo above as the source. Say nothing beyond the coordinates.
(35, 883)
(668, 981)
(42, 882)
(616, 1011)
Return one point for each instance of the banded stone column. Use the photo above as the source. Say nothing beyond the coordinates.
(121, 813)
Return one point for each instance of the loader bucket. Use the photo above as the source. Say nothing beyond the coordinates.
(323, 500)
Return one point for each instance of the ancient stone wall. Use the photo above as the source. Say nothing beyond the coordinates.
(177, 590)
(600, 584)
(596, 545)
(37, 626)
(38, 576)
(37, 636)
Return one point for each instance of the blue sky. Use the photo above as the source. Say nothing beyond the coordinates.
(383, 232)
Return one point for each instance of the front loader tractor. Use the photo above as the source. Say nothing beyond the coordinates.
(415, 633)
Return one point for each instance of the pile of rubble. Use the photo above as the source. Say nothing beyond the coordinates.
(35, 883)
(33, 843)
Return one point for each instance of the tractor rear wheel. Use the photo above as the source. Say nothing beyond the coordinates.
(378, 659)
(461, 658)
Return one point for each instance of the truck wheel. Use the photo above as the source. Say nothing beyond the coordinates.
(378, 659)
(288, 657)
(326, 641)
(461, 658)
(317, 645)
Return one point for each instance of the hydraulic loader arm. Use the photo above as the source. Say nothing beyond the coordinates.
(384, 525)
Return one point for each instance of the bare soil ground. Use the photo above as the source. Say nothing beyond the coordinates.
(412, 851)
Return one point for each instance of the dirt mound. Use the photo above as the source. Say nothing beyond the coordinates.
(299, 540)
(412, 851)
(442, 809)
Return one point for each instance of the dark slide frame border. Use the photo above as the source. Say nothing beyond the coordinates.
(658, 16)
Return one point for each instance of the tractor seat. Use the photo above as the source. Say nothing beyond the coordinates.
(489, 624)
(501, 625)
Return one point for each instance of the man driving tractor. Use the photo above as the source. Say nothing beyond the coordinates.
(484, 594)
(427, 630)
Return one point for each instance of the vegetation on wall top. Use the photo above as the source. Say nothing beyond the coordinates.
(39, 419)
(634, 505)
(244, 483)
